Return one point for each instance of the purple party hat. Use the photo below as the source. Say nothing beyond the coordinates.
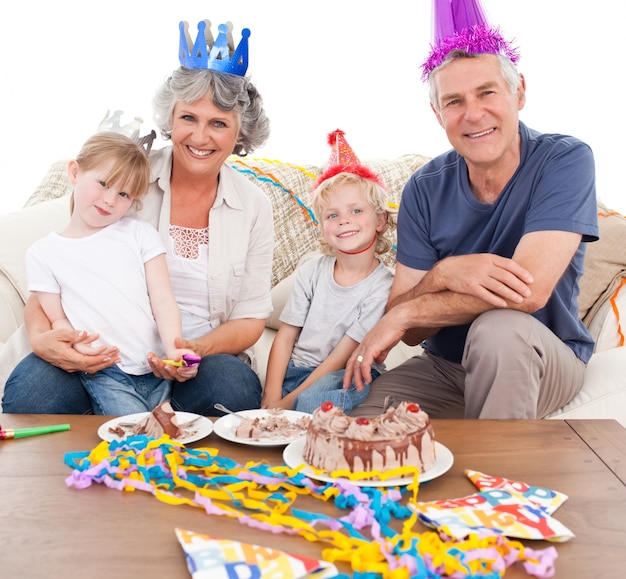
(463, 25)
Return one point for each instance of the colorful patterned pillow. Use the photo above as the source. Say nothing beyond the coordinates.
(55, 184)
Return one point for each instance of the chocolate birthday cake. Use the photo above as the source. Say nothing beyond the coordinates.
(402, 436)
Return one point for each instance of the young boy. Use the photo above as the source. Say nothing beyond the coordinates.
(336, 298)
(106, 275)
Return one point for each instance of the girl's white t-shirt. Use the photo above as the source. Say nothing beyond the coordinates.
(102, 282)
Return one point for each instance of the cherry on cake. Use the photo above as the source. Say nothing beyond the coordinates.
(401, 436)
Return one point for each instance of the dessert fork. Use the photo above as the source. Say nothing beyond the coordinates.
(223, 408)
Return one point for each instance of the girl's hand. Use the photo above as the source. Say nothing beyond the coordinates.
(173, 367)
(87, 349)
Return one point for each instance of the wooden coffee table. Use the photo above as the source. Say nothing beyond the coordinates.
(49, 530)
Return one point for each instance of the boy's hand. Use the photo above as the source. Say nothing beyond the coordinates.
(285, 403)
(267, 403)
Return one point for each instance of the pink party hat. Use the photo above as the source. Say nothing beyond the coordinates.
(463, 25)
(344, 160)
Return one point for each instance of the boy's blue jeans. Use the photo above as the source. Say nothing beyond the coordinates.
(328, 387)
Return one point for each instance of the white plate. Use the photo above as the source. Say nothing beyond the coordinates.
(293, 457)
(226, 425)
(201, 429)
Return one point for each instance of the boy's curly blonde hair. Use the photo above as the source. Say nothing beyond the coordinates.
(374, 195)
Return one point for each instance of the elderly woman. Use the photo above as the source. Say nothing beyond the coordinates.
(218, 231)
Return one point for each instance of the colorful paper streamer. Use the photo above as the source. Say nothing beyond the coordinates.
(265, 497)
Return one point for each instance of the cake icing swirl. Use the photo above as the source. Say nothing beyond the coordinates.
(333, 420)
(364, 430)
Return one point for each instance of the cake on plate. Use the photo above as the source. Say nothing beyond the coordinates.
(401, 436)
(273, 424)
(162, 420)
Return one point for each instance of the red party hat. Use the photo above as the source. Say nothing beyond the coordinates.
(344, 160)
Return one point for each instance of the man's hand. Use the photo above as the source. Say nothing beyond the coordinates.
(59, 348)
(496, 280)
(375, 347)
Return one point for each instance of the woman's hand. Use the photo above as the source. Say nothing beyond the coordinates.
(60, 348)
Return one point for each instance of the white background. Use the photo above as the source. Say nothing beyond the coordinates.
(320, 65)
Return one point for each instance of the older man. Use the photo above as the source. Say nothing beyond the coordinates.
(490, 251)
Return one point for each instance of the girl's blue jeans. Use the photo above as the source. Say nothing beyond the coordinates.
(36, 387)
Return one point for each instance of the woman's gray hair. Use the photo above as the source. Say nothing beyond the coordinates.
(230, 93)
(509, 72)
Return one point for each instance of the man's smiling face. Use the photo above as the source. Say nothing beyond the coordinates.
(478, 110)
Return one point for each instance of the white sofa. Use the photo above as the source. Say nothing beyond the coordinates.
(288, 185)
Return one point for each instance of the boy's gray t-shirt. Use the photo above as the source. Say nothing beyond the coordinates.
(327, 311)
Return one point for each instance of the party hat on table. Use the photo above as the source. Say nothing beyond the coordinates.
(463, 25)
(344, 160)
(503, 506)
(209, 557)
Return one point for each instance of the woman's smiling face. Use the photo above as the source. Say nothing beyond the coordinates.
(203, 136)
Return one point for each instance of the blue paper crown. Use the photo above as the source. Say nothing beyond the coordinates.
(219, 55)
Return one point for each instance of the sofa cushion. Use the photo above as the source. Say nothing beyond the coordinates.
(19, 230)
(15, 348)
(54, 184)
(605, 264)
(11, 309)
(287, 186)
(280, 295)
(608, 324)
(603, 394)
